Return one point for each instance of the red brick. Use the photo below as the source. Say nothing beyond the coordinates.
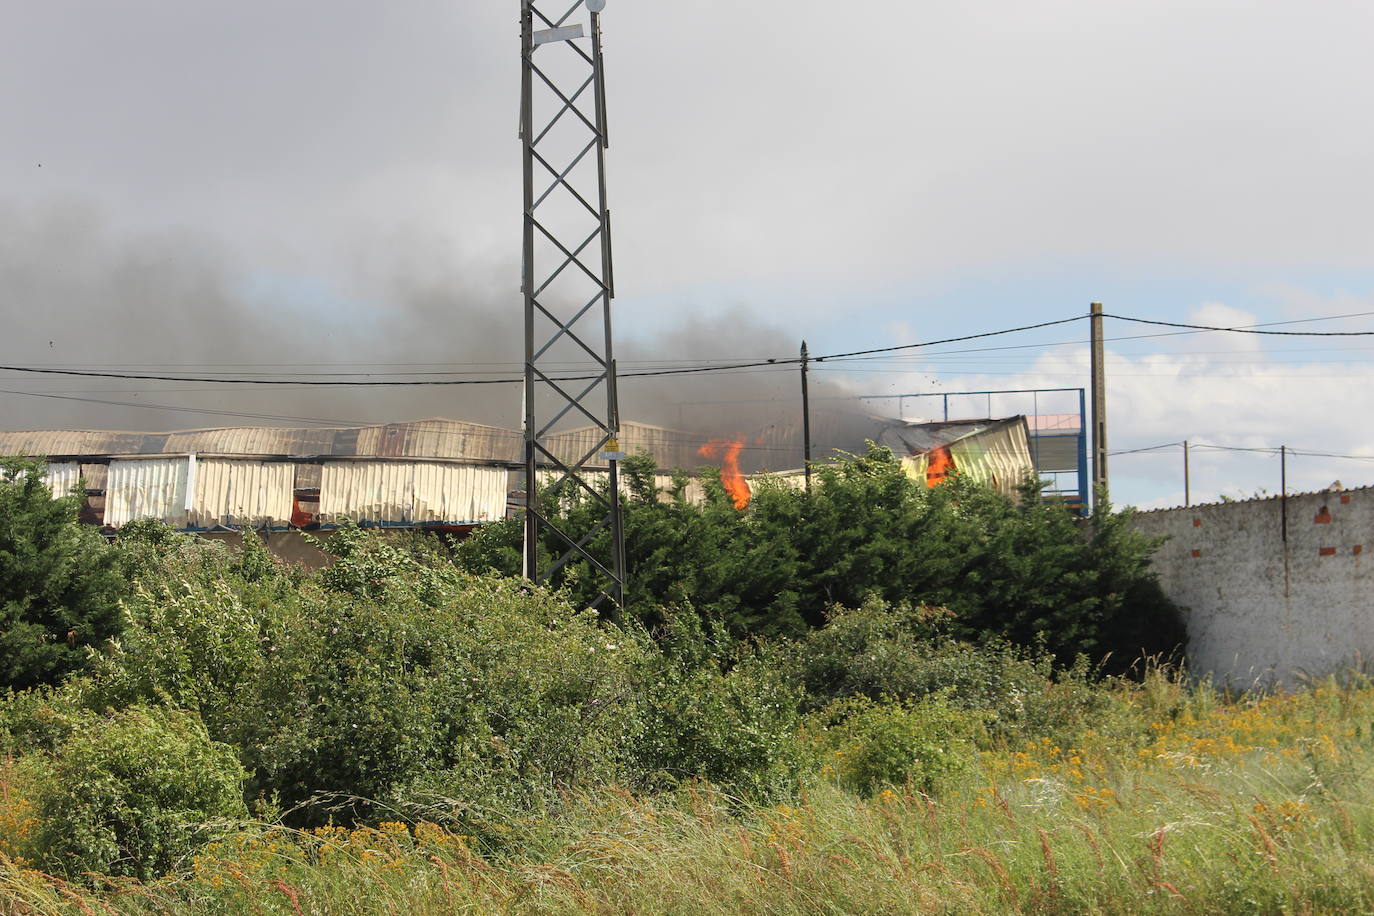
(1323, 517)
(1345, 499)
(1357, 549)
(1196, 554)
(1197, 523)
(1327, 551)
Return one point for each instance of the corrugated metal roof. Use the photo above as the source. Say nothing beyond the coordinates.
(251, 440)
(442, 439)
(915, 438)
(670, 448)
(436, 438)
(997, 457)
(994, 453)
(412, 492)
(65, 442)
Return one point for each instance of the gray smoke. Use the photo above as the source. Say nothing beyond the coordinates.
(80, 294)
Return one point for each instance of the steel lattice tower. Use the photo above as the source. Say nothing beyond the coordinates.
(568, 286)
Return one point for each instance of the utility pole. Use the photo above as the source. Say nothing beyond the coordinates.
(806, 421)
(1099, 397)
(568, 284)
(1283, 491)
(1187, 486)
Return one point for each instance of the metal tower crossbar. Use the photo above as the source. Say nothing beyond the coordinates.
(568, 284)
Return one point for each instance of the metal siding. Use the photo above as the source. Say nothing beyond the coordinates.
(788, 480)
(1056, 452)
(695, 493)
(997, 457)
(95, 475)
(411, 492)
(146, 488)
(236, 493)
(914, 466)
(61, 476)
(307, 476)
(459, 492)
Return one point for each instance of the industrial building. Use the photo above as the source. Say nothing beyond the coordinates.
(446, 474)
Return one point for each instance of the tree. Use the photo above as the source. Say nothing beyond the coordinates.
(1026, 570)
(60, 583)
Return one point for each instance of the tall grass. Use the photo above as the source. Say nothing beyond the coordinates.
(1178, 801)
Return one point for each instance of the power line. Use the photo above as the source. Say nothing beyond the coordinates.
(932, 343)
(1248, 330)
(1269, 450)
(1151, 448)
(765, 363)
(691, 370)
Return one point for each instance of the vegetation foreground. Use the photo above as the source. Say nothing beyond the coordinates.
(186, 729)
(1207, 806)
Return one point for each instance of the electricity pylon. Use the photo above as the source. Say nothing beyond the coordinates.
(568, 286)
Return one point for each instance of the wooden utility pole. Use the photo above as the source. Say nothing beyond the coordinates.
(806, 420)
(1099, 395)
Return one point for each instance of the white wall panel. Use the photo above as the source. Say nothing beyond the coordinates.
(236, 493)
(61, 476)
(411, 492)
(147, 488)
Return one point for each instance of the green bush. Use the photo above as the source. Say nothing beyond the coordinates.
(866, 746)
(717, 711)
(134, 794)
(38, 720)
(1026, 571)
(389, 676)
(878, 651)
(60, 583)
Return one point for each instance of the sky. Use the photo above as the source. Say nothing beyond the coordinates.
(336, 185)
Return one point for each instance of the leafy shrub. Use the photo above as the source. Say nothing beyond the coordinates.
(866, 746)
(390, 675)
(879, 652)
(1027, 571)
(38, 720)
(60, 583)
(717, 711)
(135, 794)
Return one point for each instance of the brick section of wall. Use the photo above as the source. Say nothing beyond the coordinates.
(1262, 607)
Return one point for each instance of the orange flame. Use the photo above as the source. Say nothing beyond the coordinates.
(727, 452)
(941, 466)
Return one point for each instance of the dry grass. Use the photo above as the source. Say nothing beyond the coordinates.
(1259, 805)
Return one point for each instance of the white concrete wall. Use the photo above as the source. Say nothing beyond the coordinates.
(1263, 607)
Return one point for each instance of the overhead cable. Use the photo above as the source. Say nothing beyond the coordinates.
(1208, 327)
(692, 370)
